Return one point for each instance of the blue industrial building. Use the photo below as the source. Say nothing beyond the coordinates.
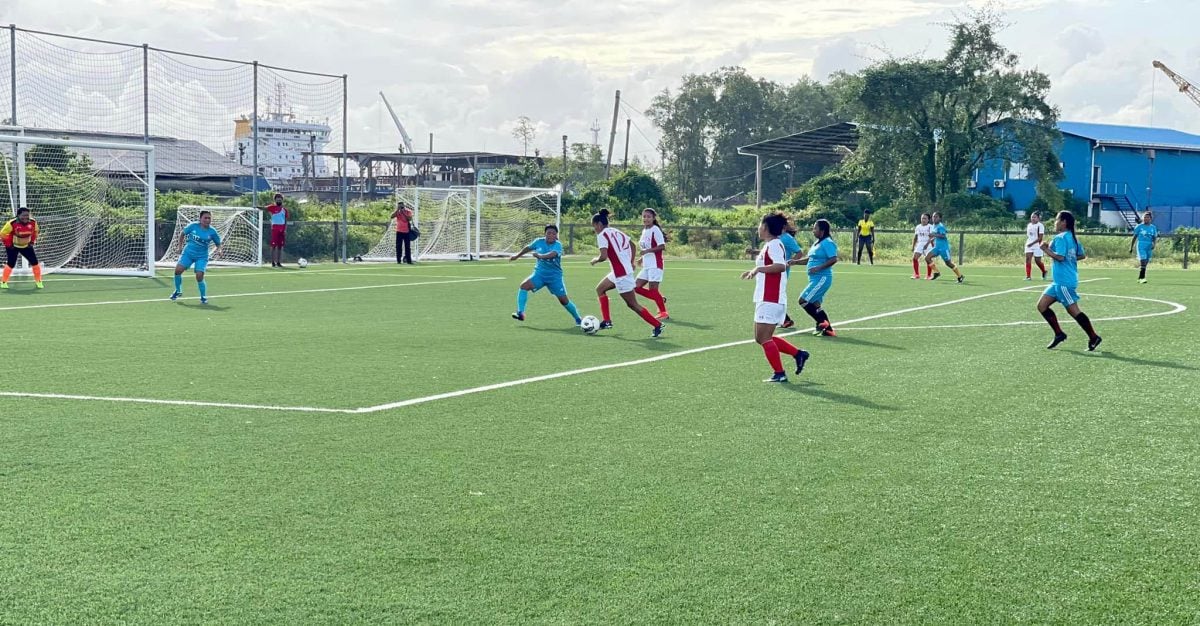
(1119, 171)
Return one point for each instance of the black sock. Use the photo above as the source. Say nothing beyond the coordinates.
(1052, 320)
(812, 311)
(822, 317)
(871, 256)
(1142, 273)
(1085, 324)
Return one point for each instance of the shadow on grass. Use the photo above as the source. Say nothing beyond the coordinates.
(195, 304)
(812, 390)
(674, 322)
(842, 338)
(1135, 361)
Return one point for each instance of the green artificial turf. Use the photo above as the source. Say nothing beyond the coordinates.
(953, 475)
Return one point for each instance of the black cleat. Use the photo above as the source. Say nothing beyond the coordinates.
(1059, 338)
(657, 331)
(935, 276)
(960, 279)
(779, 377)
(605, 325)
(801, 359)
(520, 317)
(1094, 343)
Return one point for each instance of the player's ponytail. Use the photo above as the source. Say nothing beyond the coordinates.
(601, 217)
(824, 228)
(1068, 219)
(775, 223)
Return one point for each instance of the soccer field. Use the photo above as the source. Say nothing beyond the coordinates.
(372, 443)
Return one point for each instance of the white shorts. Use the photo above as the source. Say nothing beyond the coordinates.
(919, 249)
(770, 313)
(625, 284)
(1034, 249)
(650, 274)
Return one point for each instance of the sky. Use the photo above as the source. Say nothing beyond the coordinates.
(466, 70)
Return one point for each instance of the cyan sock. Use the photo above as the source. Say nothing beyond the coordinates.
(178, 283)
(570, 307)
(203, 289)
(522, 298)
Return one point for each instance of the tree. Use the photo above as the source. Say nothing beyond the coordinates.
(525, 131)
(926, 124)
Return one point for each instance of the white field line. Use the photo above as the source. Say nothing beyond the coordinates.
(1175, 308)
(221, 405)
(215, 271)
(503, 385)
(254, 294)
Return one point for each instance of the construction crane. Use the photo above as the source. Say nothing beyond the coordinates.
(408, 146)
(1185, 86)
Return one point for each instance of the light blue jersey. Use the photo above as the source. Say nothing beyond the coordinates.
(941, 244)
(198, 239)
(547, 267)
(1145, 234)
(1066, 271)
(820, 253)
(790, 248)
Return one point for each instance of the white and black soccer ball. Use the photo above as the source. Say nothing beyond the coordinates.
(302, 262)
(589, 324)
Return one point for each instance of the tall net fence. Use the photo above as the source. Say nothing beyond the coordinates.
(220, 126)
(93, 202)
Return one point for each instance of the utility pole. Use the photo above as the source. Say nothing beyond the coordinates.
(565, 171)
(625, 163)
(612, 135)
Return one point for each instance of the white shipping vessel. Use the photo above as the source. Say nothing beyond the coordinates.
(284, 144)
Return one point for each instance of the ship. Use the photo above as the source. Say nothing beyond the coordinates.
(284, 143)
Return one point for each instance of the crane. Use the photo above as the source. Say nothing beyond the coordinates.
(407, 147)
(1185, 86)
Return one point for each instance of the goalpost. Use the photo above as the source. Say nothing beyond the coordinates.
(508, 218)
(469, 223)
(240, 229)
(443, 216)
(93, 201)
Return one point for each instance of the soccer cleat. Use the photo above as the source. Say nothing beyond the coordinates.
(787, 323)
(778, 377)
(826, 329)
(818, 331)
(657, 331)
(915, 277)
(960, 279)
(1142, 281)
(935, 276)
(1027, 279)
(203, 300)
(175, 296)
(663, 316)
(605, 325)
(1043, 275)
(520, 317)
(578, 321)
(801, 359)
(39, 285)
(1094, 343)
(3, 285)
(1059, 338)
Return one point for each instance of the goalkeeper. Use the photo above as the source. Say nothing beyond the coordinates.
(19, 234)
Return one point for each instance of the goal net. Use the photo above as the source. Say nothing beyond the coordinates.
(240, 229)
(508, 218)
(93, 202)
(444, 219)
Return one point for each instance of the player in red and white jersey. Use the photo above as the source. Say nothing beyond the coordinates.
(770, 297)
(1035, 232)
(652, 244)
(922, 236)
(617, 248)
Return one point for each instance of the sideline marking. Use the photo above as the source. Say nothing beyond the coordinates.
(245, 295)
(222, 405)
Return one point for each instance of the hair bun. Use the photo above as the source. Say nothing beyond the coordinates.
(604, 212)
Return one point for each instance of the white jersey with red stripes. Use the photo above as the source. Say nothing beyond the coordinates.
(771, 287)
(651, 237)
(620, 250)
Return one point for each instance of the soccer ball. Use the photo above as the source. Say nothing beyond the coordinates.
(589, 324)
(302, 262)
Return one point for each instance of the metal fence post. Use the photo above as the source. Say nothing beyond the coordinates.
(254, 145)
(145, 93)
(12, 69)
(570, 239)
(962, 243)
(1187, 247)
(336, 238)
(345, 215)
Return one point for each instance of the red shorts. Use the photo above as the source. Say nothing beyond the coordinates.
(278, 235)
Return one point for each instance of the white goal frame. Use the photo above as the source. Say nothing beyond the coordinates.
(14, 144)
(440, 237)
(479, 252)
(240, 228)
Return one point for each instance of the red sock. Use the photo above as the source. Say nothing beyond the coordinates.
(654, 295)
(772, 352)
(928, 271)
(1028, 268)
(650, 319)
(785, 347)
(604, 308)
(916, 268)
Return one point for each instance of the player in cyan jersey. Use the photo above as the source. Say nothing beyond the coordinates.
(770, 297)
(921, 246)
(1066, 252)
(941, 248)
(197, 236)
(617, 248)
(821, 258)
(1145, 236)
(652, 244)
(547, 273)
